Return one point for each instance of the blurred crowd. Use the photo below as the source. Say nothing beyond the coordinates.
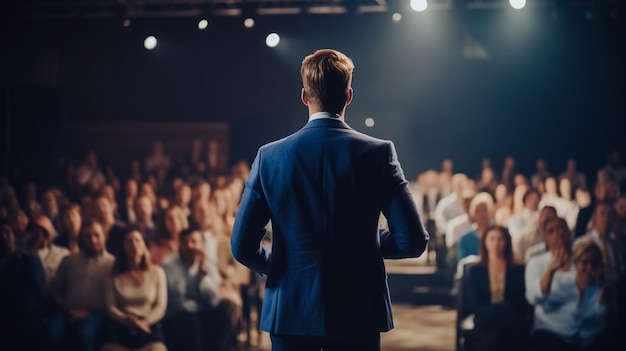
(144, 263)
(95, 263)
(542, 257)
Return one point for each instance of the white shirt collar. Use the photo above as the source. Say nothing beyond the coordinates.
(319, 115)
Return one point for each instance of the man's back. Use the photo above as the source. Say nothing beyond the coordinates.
(324, 187)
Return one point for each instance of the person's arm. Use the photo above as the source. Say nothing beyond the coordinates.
(159, 307)
(406, 236)
(476, 287)
(532, 276)
(57, 286)
(249, 229)
(557, 261)
(111, 303)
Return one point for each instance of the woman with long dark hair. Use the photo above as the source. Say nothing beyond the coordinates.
(136, 298)
(497, 293)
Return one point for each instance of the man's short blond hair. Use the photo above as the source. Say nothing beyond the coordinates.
(327, 77)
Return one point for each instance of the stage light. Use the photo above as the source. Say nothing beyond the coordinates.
(419, 5)
(248, 23)
(203, 24)
(369, 122)
(517, 4)
(396, 17)
(150, 43)
(126, 23)
(272, 40)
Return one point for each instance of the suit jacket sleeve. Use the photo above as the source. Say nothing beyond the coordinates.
(406, 236)
(252, 217)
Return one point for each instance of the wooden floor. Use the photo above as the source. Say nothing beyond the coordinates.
(417, 328)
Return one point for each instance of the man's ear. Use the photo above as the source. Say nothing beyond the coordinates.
(303, 97)
(348, 96)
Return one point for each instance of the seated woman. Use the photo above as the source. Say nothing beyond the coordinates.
(496, 293)
(136, 298)
(567, 290)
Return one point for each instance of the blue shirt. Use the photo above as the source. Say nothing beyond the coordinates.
(467, 245)
(558, 311)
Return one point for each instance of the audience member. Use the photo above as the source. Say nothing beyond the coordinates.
(569, 296)
(481, 215)
(69, 236)
(606, 240)
(144, 214)
(496, 294)
(78, 290)
(531, 243)
(566, 209)
(526, 219)
(166, 239)
(89, 171)
(136, 298)
(40, 241)
(113, 228)
(541, 175)
(197, 316)
(21, 294)
(157, 159)
(450, 206)
(576, 178)
(508, 172)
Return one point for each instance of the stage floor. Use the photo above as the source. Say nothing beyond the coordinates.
(417, 328)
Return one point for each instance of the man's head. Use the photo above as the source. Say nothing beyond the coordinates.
(602, 217)
(103, 210)
(203, 213)
(481, 209)
(143, 209)
(327, 78)
(541, 165)
(546, 213)
(92, 238)
(571, 165)
(191, 241)
(531, 199)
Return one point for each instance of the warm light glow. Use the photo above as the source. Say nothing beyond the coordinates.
(126, 23)
(517, 4)
(369, 122)
(272, 40)
(150, 43)
(203, 24)
(419, 5)
(248, 22)
(396, 17)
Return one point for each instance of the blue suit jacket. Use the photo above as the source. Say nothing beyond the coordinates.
(324, 187)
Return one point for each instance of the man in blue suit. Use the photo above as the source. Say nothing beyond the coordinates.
(324, 188)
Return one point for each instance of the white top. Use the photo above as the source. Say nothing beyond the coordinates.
(81, 280)
(447, 209)
(523, 242)
(558, 311)
(51, 258)
(456, 228)
(565, 209)
(524, 221)
(147, 300)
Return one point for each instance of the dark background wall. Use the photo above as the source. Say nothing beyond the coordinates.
(552, 84)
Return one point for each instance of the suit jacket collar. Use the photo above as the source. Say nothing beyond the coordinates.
(327, 123)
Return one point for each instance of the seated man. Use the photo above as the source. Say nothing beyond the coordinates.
(21, 285)
(198, 316)
(78, 289)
